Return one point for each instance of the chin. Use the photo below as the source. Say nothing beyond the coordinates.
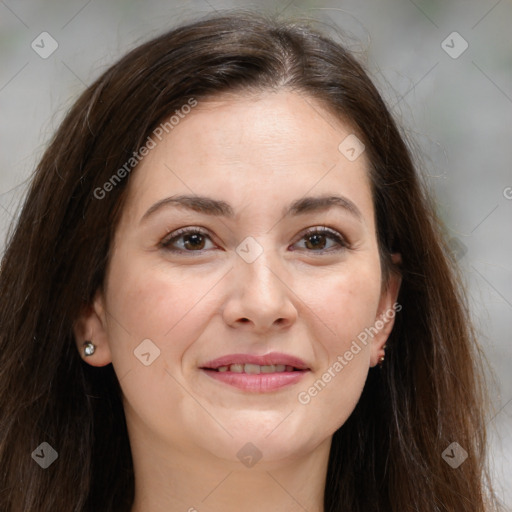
(267, 444)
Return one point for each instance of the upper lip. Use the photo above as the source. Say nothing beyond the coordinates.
(272, 358)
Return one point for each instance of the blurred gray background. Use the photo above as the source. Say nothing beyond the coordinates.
(444, 68)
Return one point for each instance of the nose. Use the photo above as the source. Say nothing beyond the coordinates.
(260, 295)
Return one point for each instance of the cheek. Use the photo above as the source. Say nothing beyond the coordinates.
(345, 307)
(149, 305)
(345, 301)
(149, 301)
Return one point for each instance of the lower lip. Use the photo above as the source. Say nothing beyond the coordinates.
(259, 382)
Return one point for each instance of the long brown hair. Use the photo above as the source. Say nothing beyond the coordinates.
(428, 394)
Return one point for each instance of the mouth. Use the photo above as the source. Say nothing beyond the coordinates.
(254, 369)
(256, 373)
(273, 362)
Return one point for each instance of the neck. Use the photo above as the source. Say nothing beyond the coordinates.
(173, 480)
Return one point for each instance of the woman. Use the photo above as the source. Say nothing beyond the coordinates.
(227, 288)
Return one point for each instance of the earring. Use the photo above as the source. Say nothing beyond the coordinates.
(381, 360)
(89, 348)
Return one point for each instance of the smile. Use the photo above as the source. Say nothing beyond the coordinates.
(256, 369)
(257, 373)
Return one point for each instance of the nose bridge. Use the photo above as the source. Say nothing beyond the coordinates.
(258, 272)
(258, 293)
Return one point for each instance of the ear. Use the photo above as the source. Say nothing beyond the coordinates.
(387, 310)
(91, 326)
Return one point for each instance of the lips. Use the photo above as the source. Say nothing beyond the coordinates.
(275, 359)
(256, 374)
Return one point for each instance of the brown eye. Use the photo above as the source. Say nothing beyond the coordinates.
(316, 241)
(317, 238)
(195, 239)
(192, 240)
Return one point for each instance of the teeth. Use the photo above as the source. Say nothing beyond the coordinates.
(255, 368)
(252, 368)
(236, 368)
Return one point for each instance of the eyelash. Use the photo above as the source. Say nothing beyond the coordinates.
(322, 230)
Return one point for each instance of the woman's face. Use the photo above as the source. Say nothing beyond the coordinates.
(252, 288)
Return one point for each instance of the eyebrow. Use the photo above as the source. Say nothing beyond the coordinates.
(219, 208)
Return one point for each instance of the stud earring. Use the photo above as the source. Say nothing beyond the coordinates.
(89, 348)
(381, 360)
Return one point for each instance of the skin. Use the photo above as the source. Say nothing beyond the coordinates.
(259, 153)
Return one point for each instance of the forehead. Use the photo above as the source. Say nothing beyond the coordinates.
(268, 147)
